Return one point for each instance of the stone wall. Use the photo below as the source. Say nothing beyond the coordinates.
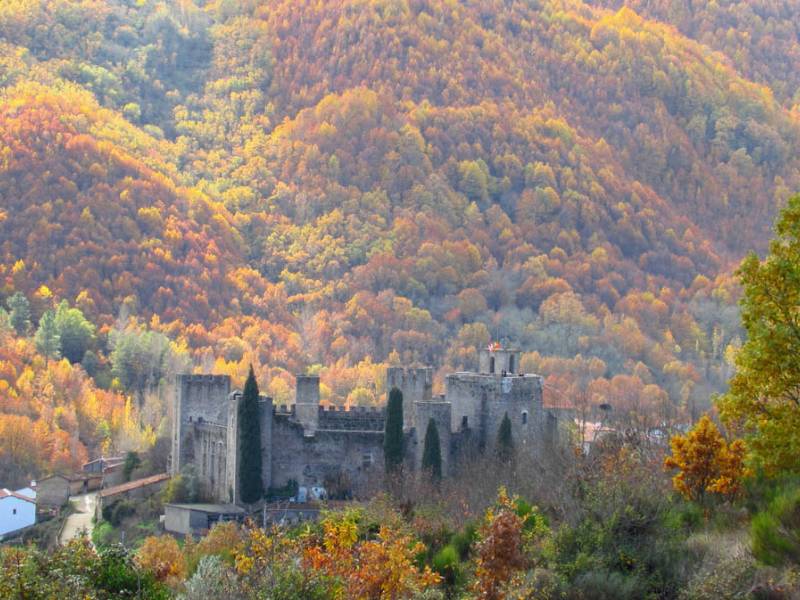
(354, 458)
(440, 413)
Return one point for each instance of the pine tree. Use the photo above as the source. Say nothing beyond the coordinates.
(505, 443)
(20, 313)
(432, 452)
(393, 438)
(46, 338)
(250, 483)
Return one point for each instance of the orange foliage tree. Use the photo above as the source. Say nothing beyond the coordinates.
(706, 463)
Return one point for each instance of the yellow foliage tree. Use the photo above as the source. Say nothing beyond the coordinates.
(706, 463)
(162, 556)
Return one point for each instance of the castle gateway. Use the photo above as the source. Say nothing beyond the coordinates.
(342, 450)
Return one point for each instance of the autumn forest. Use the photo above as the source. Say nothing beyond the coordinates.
(334, 187)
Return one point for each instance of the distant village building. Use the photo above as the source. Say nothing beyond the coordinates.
(310, 445)
(17, 511)
(55, 490)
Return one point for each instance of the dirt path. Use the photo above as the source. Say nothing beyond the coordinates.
(81, 520)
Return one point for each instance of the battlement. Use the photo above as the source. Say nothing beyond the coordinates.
(194, 378)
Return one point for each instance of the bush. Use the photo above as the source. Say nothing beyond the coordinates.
(605, 585)
(118, 512)
(775, 532)
(447, 564)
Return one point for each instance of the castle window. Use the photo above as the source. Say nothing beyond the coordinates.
(366, 460)
(511, 364)
(491, 364)
(524, 417)
(465, 422)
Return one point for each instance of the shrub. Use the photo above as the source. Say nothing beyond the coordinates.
(446, 563)
(606, 585)
(775, 532)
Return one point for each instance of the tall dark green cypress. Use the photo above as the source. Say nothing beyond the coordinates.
(250, 486)
(505, 443)
(393, 437)
(432, 452)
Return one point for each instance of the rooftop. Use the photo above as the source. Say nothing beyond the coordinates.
(5, 493)
(132, 485)
(224, 509)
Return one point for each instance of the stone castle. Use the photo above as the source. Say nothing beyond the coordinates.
(342, 450)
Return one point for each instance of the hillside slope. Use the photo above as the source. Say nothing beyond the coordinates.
(305, 183)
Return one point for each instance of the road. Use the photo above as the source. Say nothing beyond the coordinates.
(81, 520)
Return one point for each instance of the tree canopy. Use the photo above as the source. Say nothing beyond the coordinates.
(764, 395)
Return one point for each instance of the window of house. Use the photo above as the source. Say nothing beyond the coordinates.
(14, 511)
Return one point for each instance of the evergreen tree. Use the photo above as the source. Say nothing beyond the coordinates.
(20, 314)
(432, 452)
(250, 483)
(393, 438)
(46, 338)
(75, 332)
(505, 443)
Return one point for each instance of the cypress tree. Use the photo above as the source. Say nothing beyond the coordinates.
(250, 485)
(432, 452)
(505, 443)
(393, 437)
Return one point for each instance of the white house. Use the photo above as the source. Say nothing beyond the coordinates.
(17, 511)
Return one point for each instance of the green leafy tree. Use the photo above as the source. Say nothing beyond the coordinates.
(764, 394)
(250, 483)
(132, 462)
(20, 313)
(505, 441)
(75, 332)
(432, 452)
(393, 438)
(46, 337)
(141, 359)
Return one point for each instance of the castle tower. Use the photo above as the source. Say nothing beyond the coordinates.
(416, 383)
(307, 403)
(199, 399)
(496, 360)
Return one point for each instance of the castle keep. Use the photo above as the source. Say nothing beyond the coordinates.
(342, 450)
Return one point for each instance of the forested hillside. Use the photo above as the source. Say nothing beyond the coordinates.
(334, 186)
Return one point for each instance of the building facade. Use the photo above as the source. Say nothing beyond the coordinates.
(306, 444)
(17, 512)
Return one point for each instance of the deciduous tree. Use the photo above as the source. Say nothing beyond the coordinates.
(706, 463)
(764, 395)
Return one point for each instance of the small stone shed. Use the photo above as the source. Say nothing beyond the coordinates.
(196, 519)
